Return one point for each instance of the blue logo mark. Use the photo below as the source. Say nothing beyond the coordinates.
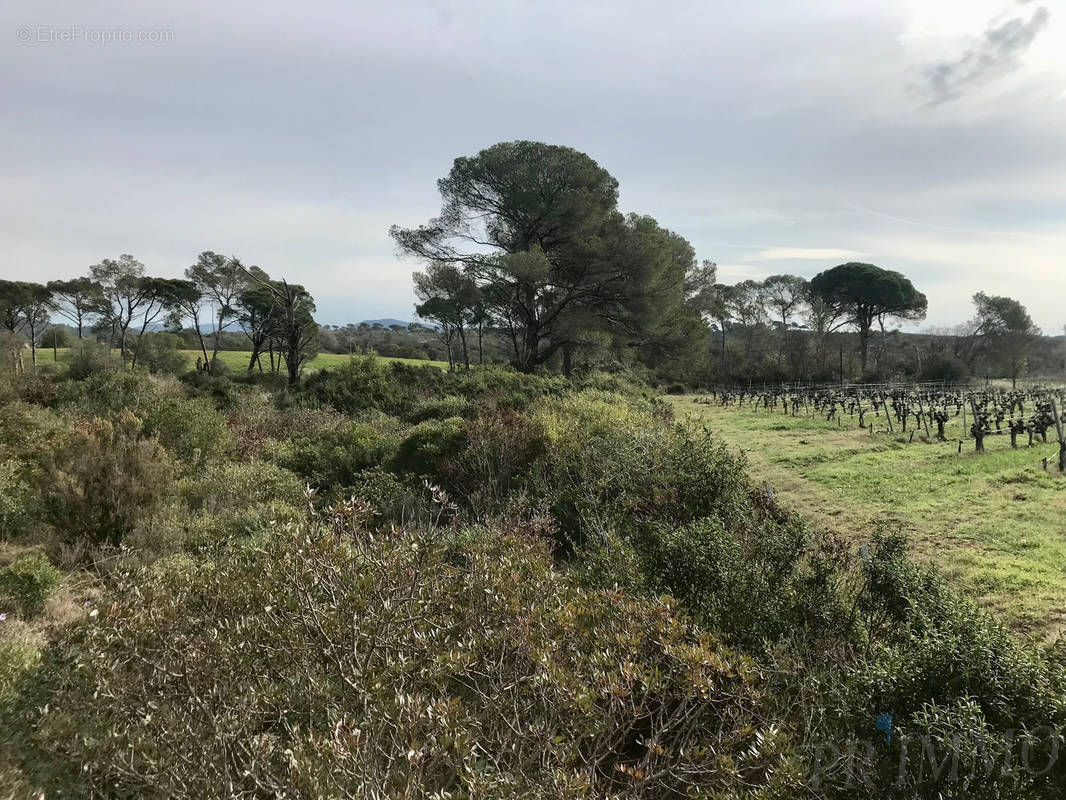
(884, 723)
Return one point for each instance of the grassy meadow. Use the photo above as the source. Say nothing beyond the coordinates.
(995, 523)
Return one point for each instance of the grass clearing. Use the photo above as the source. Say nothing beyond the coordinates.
(995, 523)
(237, 360)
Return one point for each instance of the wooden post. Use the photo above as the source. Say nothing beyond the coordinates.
(1058, 430)
(978, 432)
(921, 411)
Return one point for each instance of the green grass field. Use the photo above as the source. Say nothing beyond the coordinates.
(237, 360)
(995, 523)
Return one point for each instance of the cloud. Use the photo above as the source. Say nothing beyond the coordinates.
(995, 54)
(819, 253)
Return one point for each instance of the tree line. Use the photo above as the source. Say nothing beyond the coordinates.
(530, 244)
(531, 261)
(118, 302)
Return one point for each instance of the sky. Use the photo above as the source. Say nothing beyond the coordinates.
(926, 136)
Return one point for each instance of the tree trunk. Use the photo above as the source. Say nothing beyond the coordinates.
(568, 358)
(864, 345)
(528, 358)
(462, 344)
(218, 340)
(200, 336)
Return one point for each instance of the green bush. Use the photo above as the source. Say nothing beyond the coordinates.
(227, 525)
(15, 500)
(88, 358)
(228, 486)
(496, 678)
(613, 464)
(159, 353)
(427, 445)
(216, 387)
(947, 367)
(26, 430)
(391, 498)
(746, 582)
(501, 447)
(104, 481)
(364, 383)
(448, 406)
(334, 459)
(18, 657)
(27, 583)
(190, 428)
(29, 435)
(12, 351)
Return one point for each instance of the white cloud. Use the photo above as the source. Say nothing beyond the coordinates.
(818, 253)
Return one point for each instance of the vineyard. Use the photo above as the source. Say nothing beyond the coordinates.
(970, 474)
(929, 411)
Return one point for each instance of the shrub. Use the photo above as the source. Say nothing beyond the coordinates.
(623, 383)
(28, 435)
(191, 429)
(613, 464)
(744, 584)
(947, 367)
(488, 674)
(27, 582)
(209, 531)
(88, 358)
(216, 387)
(15, 500)
(501, 447)
(159, 353)
(442, 408)
(333, 459)
(108, 392)
(391, 498)
(230, 486)
(18, 656)
(104, 481)
(13, 352)
(427, 445)
(505, 386)
(364, 383)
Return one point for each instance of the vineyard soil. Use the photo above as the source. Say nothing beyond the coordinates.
(994, 522)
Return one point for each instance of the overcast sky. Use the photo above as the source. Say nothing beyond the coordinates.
(927, 136)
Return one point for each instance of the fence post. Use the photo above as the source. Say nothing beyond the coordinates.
(1058, 430)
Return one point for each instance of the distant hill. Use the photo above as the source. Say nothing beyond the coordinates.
(387, 321)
